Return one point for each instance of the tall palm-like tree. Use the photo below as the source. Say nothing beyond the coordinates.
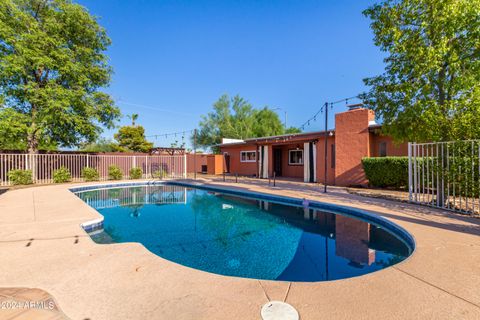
(134, 118)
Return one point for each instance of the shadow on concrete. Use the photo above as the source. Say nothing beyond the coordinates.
(30, 241)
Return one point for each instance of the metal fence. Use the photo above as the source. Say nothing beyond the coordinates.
(135, 196)
(43, 166)
(445, 175)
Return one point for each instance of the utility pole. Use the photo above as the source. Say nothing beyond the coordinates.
(326, 148)
(326, 132)
(195, 154)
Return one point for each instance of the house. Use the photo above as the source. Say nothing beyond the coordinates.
(302, 155)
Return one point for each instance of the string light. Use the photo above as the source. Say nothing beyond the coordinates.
(320, 111)
(169, 134)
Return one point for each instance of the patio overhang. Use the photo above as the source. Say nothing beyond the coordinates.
(281, 139)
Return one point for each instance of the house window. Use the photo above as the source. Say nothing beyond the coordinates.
(382, 149)
(333, 156)
(295, 157)
(248, 156)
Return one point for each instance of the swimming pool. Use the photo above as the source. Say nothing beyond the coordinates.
(246, 235)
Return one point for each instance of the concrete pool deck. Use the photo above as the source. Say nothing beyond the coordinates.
(43, 246)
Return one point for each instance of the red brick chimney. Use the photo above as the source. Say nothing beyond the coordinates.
(352, 143)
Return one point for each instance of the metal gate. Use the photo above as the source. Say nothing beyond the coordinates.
(445, 175)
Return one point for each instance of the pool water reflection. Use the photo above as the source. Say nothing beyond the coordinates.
(244, 237)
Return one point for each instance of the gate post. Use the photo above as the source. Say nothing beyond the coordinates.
(184, 165)
(146, 167)
(415, 178)
(410, 187)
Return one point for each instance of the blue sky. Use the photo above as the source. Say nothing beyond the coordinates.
(173, 59)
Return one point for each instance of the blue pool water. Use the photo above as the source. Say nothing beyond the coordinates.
(244, 237)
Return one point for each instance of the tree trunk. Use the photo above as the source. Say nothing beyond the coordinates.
(32, 138)
(32, 143)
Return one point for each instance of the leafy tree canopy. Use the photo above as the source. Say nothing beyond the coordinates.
(292, 130)
(132, 138)
(237, 119)
(12, 133)
(266, 123)
(52, 65)
(101, 145)
(133, 117)
(430, 89)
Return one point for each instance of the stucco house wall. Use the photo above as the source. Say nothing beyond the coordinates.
(236, 166)
(355, 136)
(393, 149)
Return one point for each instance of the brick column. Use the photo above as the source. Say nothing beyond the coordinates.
(352, 143)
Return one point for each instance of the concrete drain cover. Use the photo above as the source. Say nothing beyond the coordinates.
(277, 310)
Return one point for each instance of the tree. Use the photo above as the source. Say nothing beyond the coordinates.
(267, 123)
(222, 123)
(292, 130)
(101, 145)
(51, 68)
(236, 118)
(132, 138)
(430, 90)
(176, 144)
(133, 117)
(12, 131)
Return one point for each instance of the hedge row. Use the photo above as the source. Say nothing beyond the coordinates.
(386, 171)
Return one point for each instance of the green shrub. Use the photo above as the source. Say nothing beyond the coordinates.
(90, 174)
(386, 171)
(114, 173)
(159, 174)
(62, 175)
(18, 177)
(135, 173)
